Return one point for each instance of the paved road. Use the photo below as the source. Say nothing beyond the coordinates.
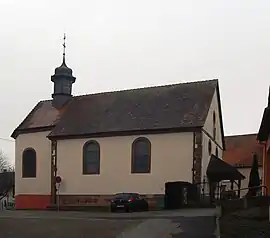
(185, 223)
(199, 227)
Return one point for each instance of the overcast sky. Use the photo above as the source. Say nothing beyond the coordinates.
(119, 44)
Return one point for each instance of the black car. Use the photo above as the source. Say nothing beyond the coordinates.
(128, 202)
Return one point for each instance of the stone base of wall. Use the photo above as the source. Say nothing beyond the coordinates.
(233, 205)
(154, 200)
(42, 202)
(32, 201)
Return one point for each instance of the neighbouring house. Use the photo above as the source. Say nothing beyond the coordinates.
(7, 185)
(122, 141)
(239, 153)
(263, 138)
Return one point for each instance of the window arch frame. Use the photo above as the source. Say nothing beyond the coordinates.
(209, 147)
(214, 118)
(32, 172)
(216, 151)
(134, 169)
(214, 125)
(84, 164)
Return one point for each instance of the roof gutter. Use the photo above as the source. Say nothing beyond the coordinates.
(18, 132)
(122, 133)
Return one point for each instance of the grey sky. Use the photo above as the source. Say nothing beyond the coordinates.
(118, 44)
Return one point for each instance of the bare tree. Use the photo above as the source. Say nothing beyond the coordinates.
(5, 164)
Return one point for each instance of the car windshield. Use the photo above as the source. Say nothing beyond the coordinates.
(123, 195)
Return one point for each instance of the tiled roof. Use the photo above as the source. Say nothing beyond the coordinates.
(43, 115)
(218, 170)
(264, 130)
(182, 105)
(240, 149)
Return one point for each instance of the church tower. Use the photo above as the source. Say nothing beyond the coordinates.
(63, 80)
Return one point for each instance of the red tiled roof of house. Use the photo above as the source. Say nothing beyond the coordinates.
(240, 149)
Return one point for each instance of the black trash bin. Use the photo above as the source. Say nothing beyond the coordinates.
(179, 194)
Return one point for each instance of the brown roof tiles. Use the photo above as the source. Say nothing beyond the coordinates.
(240, 149)
(165, 107)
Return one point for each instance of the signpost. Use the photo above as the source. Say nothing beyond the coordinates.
(58, 180)
(218, 216)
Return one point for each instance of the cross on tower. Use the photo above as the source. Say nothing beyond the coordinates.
(64, 45)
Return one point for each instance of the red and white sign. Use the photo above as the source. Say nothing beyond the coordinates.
(58, 179)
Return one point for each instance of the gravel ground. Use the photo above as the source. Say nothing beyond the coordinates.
(252, 223)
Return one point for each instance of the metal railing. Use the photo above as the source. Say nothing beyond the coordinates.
(3, 201)
(220, 194)
(6, 201)
(265, 192)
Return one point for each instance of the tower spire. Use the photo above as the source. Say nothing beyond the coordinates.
(64, 49)
(63, 80)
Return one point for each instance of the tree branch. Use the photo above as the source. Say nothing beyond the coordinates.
(5, 164)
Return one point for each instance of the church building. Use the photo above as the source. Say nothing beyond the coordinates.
(123, 141)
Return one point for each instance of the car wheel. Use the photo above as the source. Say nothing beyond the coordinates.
(146, 207)
(128, 209)
(112, 209)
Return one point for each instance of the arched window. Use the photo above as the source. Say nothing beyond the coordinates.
(214, 125)
(91, 158)
(214, 118)
(29, 163)
(141, 156)
(209, 147)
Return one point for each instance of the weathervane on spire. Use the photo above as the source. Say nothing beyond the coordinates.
(64, 48)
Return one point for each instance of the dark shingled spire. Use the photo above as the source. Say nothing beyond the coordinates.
(63, 80)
